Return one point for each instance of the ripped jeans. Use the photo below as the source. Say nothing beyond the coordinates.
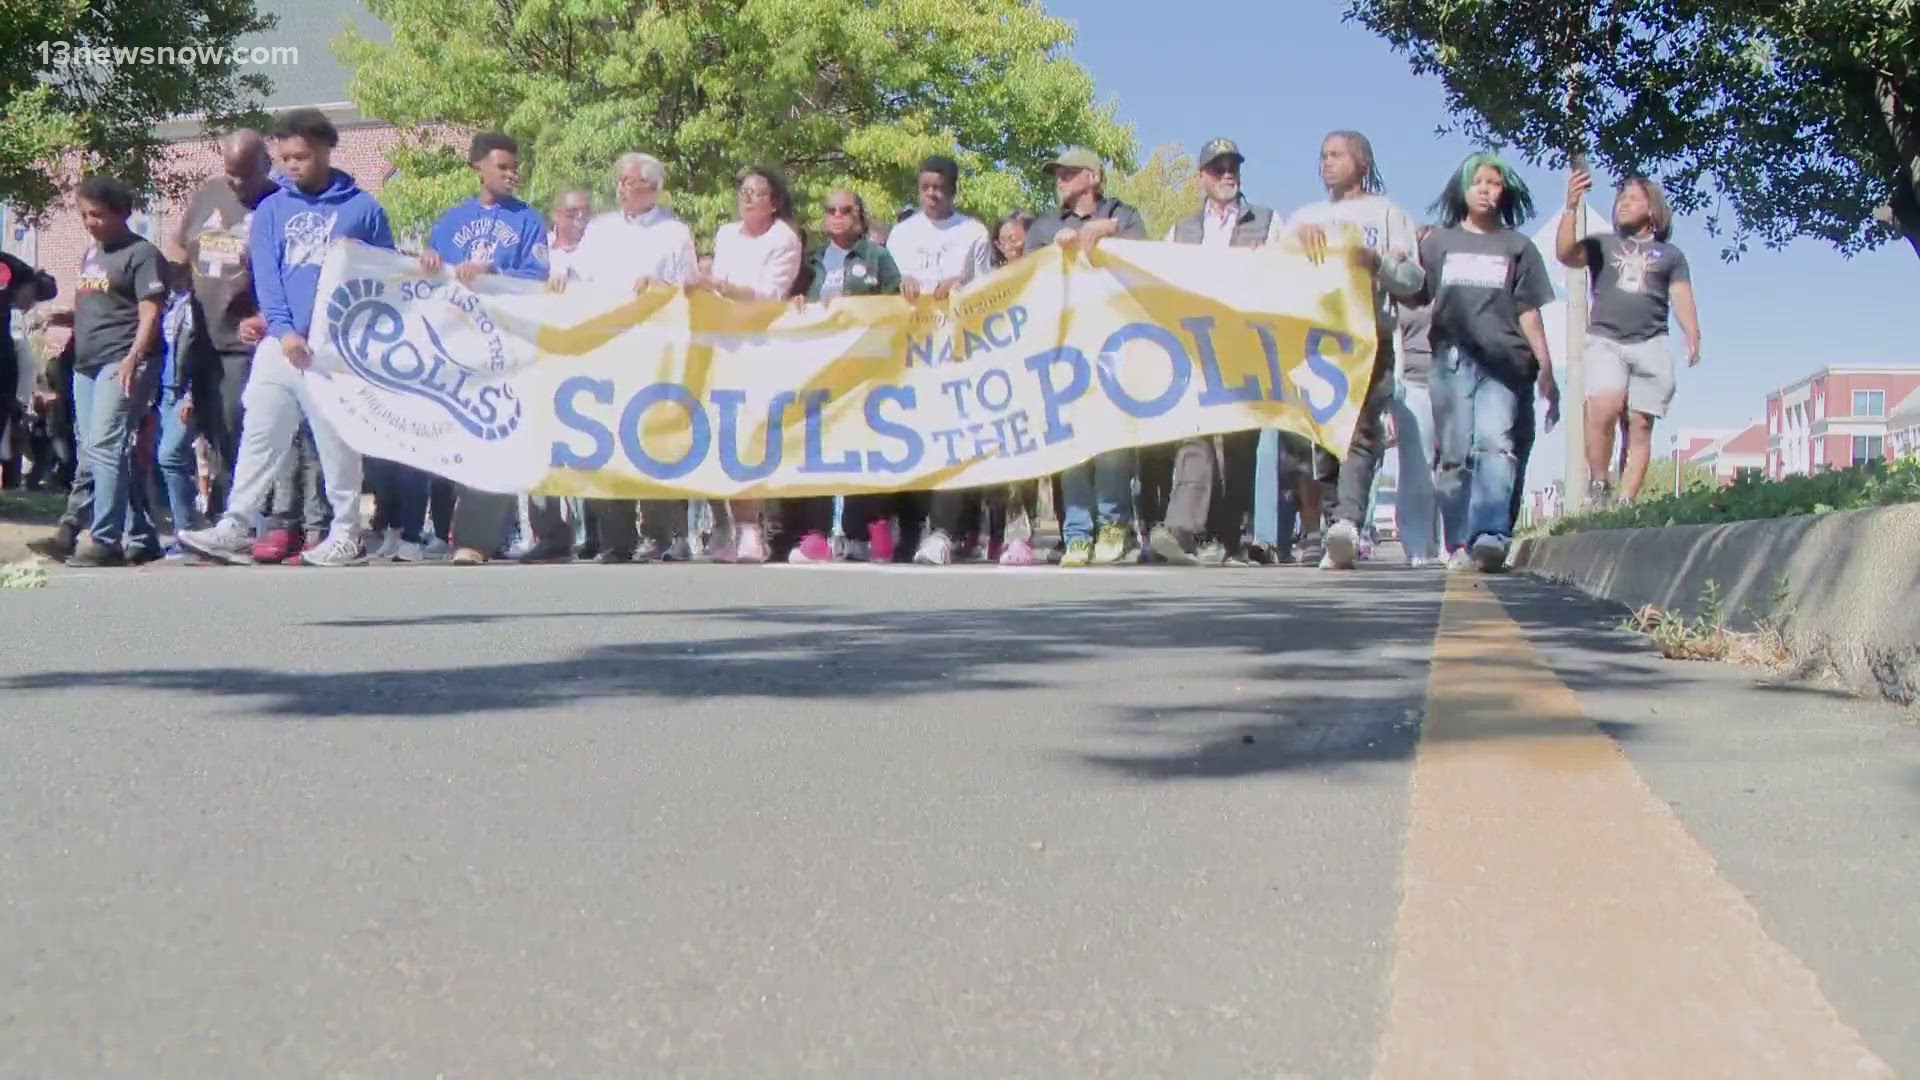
(1476, 418)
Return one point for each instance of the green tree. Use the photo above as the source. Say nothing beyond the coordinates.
(1164, 189)
(835, 92)
(62, 108)
(1798, 115)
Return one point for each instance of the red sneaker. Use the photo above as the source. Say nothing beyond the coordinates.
(880, 541)
(276, 545)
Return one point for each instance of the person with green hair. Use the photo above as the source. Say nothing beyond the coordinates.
(1487, 283)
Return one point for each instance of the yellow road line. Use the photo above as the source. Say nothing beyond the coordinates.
(1556, 919)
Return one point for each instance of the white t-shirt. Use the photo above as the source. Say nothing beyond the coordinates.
(768, 264)
(931, 252)
(623, 249)
(1385, 228)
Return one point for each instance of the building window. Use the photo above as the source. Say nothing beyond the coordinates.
(1867, 447)
(1869, 403)
(1747, 472)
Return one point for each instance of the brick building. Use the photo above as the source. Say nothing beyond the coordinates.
(1728, 453)
(1836, 417)
(316, 78)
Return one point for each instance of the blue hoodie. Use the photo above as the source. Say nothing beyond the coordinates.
(509, 236)
(292, 231)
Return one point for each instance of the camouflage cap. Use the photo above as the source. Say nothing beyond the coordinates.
(1219, 148)
(1075, 157)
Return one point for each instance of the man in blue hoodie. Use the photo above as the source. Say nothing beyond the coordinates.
(293, 228)
(491, 233)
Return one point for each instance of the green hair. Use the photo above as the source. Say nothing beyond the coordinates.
(1516, 202)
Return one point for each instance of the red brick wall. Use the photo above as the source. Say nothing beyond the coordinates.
(362, 152)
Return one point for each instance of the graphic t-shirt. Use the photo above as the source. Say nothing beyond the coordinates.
(833, 261)
(1480, 283)
(931, 252)
(114, 278)
(1631, 282)
(219, 226)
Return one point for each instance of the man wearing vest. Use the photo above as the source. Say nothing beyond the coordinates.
(1213, 477)
(1098, 494)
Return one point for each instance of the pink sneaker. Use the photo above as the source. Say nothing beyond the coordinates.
(812, 548)
(1018, 553)
(753, 546)
(880, 541)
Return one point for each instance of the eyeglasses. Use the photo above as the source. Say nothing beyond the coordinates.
(755, 194)
(835, 211)
(642, 183)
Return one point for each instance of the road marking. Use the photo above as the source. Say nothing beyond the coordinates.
(1556, 919)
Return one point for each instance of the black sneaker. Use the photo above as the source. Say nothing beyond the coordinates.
(143, 555)
(546, 554)
(59, 546)
(90, 553)
(608, 558)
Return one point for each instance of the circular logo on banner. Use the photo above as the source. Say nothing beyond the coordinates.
(372, 336)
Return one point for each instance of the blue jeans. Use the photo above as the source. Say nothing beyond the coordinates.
(399, 497)
(1476, 418)
(178, 469)
(1417, 512)
(108, 421)
(1097, 492)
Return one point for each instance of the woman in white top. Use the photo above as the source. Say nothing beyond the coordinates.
(754, 258)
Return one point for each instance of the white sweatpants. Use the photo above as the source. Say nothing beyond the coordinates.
(276, 399)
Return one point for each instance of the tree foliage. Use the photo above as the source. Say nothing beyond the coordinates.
(1797, 115)
(1693, 476)
(101, 117)
(835, 92)
(1165, 188)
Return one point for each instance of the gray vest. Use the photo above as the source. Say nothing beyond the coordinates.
(1250, 229)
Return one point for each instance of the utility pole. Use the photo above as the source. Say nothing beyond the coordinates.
(1573, 381)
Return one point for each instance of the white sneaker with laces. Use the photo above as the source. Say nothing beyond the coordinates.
(388, 548)
(1489, 553)
(436, 549)
(1341, 548)
(1460, 560)
(338, 549)
(409, 552)
(227, 541)
(935, 550)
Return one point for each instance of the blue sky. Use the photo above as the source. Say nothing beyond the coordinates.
(1276, 75)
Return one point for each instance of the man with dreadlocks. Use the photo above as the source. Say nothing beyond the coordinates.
(1390, 252)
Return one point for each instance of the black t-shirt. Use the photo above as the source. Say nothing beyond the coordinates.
(1632, 279)
(114, 278)
(1480, 283)
(15, 277)
(218, 225)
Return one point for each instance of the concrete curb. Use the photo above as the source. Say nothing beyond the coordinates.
(1850, 583)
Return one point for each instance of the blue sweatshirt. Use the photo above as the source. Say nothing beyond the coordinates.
(509, 236)
(291, 233)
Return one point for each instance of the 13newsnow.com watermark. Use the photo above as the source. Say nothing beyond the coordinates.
(68, 54)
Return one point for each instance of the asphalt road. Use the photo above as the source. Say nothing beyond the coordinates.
(743, 822)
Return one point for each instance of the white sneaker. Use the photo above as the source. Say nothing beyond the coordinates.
(436, 550)
(338, 549)
(1489, 553)
(678, 551)
(752, 547)
(227, 541)
(409, 552)
(1460, 560)
(859, 551)
(935, 550)
(1341, 548)
(389, 548)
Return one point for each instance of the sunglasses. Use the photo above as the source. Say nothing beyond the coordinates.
(835, 211)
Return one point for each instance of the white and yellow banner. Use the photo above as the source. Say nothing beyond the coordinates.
(1039, 366)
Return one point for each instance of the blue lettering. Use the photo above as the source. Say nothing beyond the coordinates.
(994, 445)
(880, 425)
(1022, 438)
(1055, 398)
(1110, 381)
(950, 437)
(974, 342)
(815, 459)
(958, 388)
(1216, 392)
(1276, 380)
(485, 404)
(923, 349)
(562, 455)
(1006, 385)
(986, 327)
(1017, 315)
(697, 427)
(403, 349)
(730, 402)
(1336, 379)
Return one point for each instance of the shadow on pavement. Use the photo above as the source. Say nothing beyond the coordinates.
(1329, 675)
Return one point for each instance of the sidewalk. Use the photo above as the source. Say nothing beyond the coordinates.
(26, 516)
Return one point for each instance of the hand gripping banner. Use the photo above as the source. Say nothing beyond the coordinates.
(1039, 366)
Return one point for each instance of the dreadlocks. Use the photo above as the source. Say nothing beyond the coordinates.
(1362, 151)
